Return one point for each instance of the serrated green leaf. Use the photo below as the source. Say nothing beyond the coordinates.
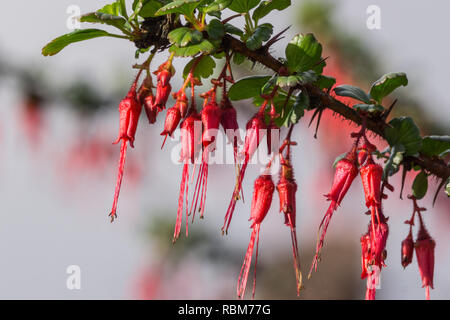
(204, 69)
(248, 87)
(386, 84)
(267, 6)
(229, 28)
(149, 9)
(435, 145)
(61, 42)
(104, 18)
(420, 185)
(185, 7)
(217, 5)
(260, 34)
(304, 53)
(371, 108)
(243, 6)
(405, 132)
(215, 29)
(325, 82)
(205, 46)
(184, 36)
(346, 90)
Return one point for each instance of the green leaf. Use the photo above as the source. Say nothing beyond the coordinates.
(304, 53)
(346, 90)
(371, 108)
(386, 84)
(269, 5)
(325, 82)
(292, 81)
(185, 7)
(243, 6)
(149, 9)
(105, 18)
(420, 185)
(112, 9)
(229, 28)
(238, 58)
(122, 8)
(405, 132)
(435, 145)
(296, 112)
(262, 33)
(60, 43)
(204, 69)
(184, 36)
(215, 29)
(395, 159)
(217, 5)
(247, 87)
(205, 46)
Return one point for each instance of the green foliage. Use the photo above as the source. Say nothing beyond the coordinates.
(437, 146)
(181, 37)
(204, 69)
(185, 7)
(267, 6)
(295, 112)
(386, 84)
(191, 50)
(105, 18)
(420, 185)
(395, 159)
(260, 34)
(61, 42)
(217, 5)
(371, 108)
(294, 80)
(304, 53)
(325, 82)
(346, 90)
(243, 6)
(215, 29)
(403, 131)
(248, 87)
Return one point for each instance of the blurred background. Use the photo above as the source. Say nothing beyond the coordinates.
(58, 117)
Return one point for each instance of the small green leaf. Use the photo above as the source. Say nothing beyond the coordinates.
(243, 6)
(420, 185)
(262, 33)
(215, 29)
(204, 69)
(435, 145)
(247, 87)
(60, 43)
(185, 7)
(346, 90)
(371, 108)
(395, 159)
(404, 131)
(292, 81)
(238, 58)
(217, 5)
(267, 6)
(304, 53)
(113, 9)
(105, 18)
(325, 82)
(183, 36)
(386, 84)
(296, 112)
(229, 28)
(205, 46)
(122, 8)
(149, 9)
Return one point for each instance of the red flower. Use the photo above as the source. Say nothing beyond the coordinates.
(407, 250)
(163, 87)
(173, 117)
(211, 116)
(256, 129)
(190, 145)
(147, 99)
(229, 122)
(262, 199)
(425, 257)
(287, 187)
(344, 175)
(129, 110)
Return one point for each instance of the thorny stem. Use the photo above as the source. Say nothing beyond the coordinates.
(320, 98)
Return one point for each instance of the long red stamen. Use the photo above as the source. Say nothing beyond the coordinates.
(123, 151)
(243, 275)
(184, 178)
(298, 273)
